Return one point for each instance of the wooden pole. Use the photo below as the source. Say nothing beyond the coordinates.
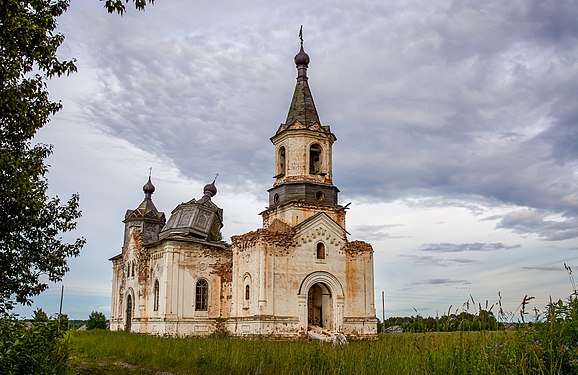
(61, 296)
(383, 307)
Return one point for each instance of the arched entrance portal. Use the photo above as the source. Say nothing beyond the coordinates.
(128, 313)
(320, 306)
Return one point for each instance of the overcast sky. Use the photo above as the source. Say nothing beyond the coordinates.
(456, 125)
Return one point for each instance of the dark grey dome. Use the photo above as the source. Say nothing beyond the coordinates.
(149, 188)
(302, 58)
(210, 188)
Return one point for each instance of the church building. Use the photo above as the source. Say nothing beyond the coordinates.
(299, 270)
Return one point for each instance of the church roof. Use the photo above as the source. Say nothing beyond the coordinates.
(302, 108)
(147, 209)
(196, 218)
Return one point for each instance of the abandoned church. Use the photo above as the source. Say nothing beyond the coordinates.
(297, 272)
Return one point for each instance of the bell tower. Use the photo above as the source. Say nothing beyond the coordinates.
(303, 183)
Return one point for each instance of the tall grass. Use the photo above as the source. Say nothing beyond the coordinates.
(428, 353)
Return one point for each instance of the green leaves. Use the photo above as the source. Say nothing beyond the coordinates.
(118, 6)
(32, 223)
(36, 347)
(96, 320)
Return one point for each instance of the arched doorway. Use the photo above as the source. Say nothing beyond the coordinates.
(128, 313)
(320, 306)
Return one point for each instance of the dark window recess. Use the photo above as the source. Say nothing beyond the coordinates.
(315, 159)
(320, 251)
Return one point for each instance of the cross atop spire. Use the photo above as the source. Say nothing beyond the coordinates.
(302, 107)
(301, 59)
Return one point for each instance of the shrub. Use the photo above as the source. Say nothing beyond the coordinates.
(96, 320)
(36, 347)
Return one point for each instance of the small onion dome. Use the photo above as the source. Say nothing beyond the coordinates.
(301, 58)
(149, 188)
(211, 188)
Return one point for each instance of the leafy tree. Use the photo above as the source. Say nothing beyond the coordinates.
(30, 230)
(96, 320)
(118, 6)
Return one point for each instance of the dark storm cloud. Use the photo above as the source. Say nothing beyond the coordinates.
(459, 99)
(455, 247)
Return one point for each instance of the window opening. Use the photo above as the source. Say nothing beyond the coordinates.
(315, 159)
(201, 295)
(320, 250)
(281, 160)
(247, 290)
(156, 296)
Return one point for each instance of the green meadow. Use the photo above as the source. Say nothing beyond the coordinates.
(484, 352)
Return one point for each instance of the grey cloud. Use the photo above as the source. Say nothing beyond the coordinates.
(463, 101)
(374, 232)
(545, 268)
(533, 221)
(429, 260)
(441, 281)
(454, 248)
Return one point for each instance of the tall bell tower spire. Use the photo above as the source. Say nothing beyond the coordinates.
(303, 159)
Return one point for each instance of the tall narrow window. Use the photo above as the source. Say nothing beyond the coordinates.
(128, 321)
(320, 250)
(315, 159)
(156, 296)
(201, 295)
(132, 269)
(281, 161)
(247, 292)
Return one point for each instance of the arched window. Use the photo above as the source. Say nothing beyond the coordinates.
(156, 296)
(202, 295)
(320, 250)
(281, 161)
(128, 270)
(247, 292)
(314, 159)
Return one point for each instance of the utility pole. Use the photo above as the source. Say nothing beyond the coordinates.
(383, 307)
(61, 296)
(60, 309)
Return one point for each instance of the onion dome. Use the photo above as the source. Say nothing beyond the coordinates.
(146, 216)
(302, 109)
(210, 188)
(148, 188)
(302, 58)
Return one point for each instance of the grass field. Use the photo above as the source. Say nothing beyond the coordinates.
(104, 352)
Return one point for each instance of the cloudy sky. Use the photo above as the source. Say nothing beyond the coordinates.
(456, 124)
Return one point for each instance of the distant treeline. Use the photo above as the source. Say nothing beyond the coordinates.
(464, 321)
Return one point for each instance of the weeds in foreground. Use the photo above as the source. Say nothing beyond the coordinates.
(547, 346)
